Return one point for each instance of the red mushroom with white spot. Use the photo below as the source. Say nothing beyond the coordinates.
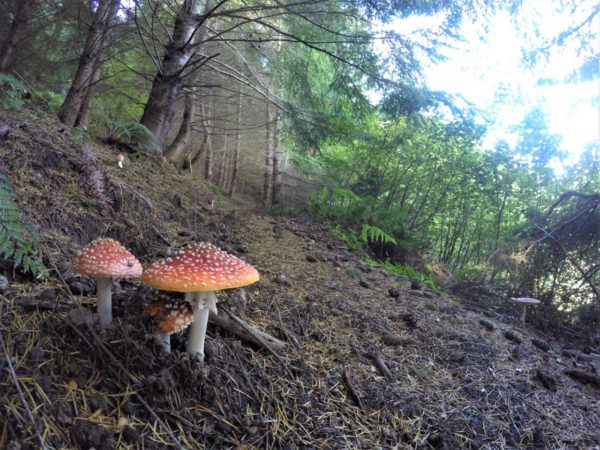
(198, 270)
(170, 316)
(105, 259)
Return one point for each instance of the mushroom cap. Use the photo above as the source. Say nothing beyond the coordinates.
(106, 258)
(120, 157)
(525, 300)
(199, 267)
(170, 315)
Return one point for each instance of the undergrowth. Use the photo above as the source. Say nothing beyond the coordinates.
(18, 241)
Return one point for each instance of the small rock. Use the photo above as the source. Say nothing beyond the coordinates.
(486, 324)
(48, 294)
(282, 280)
(311, 258)
(130, 435)
(3, 283)
(80, 288)
(80, 317)
(394, 292)
(364, 284)
(513, 337)
(542, 345)
(36, 354)
(99, 403)
(410, 320)
(416, 284)
(336, 263)
(242, 248)
(335, 312)
(393, 340)
(548, 380)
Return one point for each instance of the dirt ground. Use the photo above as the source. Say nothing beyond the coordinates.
(370, 362)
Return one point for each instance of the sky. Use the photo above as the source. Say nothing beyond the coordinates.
(489, 63)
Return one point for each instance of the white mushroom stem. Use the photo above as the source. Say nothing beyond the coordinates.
(120, 164)
(104, 294)
(523, 312)
(203, 303)
(165, 338)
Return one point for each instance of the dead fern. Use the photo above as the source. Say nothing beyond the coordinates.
(19, 242)
(93, 178)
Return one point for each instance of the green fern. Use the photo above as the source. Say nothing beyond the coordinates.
(18, 241)
(371, 233)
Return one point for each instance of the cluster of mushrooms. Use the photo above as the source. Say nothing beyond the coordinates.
(198, 270)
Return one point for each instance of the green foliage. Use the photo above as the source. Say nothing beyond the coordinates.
(53, 100)
(18, 241)
(130, 133)
(410, 272)
(12, 92)
(348, 236)
(371, 233)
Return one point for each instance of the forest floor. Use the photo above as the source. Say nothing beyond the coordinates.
(369, 361)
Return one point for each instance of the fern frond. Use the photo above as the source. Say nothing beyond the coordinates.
(18, 240)
(373, 234)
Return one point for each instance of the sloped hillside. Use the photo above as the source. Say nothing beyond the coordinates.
(369, 361)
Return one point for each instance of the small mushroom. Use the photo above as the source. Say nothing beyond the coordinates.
(198, 270)
(170, 316)
(105, 259)
(524, 302)
(120, 159)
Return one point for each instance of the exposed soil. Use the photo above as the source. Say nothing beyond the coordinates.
(370, 362)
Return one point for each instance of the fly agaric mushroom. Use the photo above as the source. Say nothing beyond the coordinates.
(105, 259)
(120, 159)
(198, 270)
(170, 316)
(524, 302)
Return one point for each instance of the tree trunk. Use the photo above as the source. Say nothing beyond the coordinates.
(17, 31)
(268, 174)
(236, 152)
(96, 42)
(180, 147)
(169, 81)
(83, 119)
(277, 162)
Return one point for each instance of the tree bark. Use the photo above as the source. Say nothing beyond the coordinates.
(180, 147)
(170, 79)
(236, 152)
(277, 162)
(89, 63)
(83, 119)
(268, 173)
(18, 26)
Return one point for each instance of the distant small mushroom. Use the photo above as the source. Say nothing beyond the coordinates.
(105, 259)
(120, 159)
(198, 270)
(524, 302)
(170, 316)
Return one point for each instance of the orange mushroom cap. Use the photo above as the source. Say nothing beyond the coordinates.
(199, 267)
(106, 258)
(170, 315)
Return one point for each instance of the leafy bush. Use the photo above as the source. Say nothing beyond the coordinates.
(412, 273)
(13, 92)
(130, 134)
(18, 240)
